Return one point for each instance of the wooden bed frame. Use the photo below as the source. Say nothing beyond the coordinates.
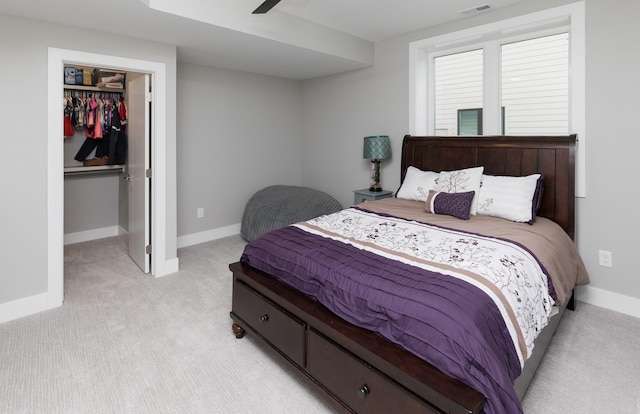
(358, 370)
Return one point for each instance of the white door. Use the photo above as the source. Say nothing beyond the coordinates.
(138, 132)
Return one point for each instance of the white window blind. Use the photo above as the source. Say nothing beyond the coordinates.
(535, 86)
(458, 85)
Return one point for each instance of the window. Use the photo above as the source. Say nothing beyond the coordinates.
(470, 121)
(458, 86)
(520, 76)
(535, 85)
(532, 93)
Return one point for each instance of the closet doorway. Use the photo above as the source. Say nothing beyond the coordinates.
(106, 158)
(146, 195)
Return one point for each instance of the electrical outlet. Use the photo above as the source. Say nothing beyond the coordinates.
(605, 258)
(200, 212)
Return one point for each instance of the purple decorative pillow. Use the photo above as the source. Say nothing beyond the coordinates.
(452, 204)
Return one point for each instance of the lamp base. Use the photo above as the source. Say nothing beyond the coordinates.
(374, 183)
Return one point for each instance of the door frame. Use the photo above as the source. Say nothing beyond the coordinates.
(57, 58)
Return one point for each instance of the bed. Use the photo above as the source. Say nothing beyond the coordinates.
(416, 335)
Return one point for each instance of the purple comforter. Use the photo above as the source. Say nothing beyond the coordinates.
(449, 323)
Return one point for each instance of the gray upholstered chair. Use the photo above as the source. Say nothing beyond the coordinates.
(280, 205)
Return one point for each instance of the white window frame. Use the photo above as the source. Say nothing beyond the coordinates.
(571, 17)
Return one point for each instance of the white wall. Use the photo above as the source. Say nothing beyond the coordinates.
(341, 109)
(23, 81)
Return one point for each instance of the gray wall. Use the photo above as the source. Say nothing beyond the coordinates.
(23, 81)
(91, 202)
(341, 109)
(237, 133)
(608, 216)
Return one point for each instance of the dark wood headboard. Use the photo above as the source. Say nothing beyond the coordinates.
(552, 156)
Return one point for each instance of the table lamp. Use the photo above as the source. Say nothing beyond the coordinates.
(376, 148)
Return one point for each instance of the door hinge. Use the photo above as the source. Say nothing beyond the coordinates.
(147, 173)
(149, 97)
(148, 249)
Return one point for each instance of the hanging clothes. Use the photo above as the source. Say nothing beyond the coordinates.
(100, 116)
(111, 149)
(100, 145)
(94, 122)
(117, 141)
(122, 112)
(68, 112)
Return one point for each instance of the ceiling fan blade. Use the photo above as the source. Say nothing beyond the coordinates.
(266, 6)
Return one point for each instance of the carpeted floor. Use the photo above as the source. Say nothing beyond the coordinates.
(124, 342)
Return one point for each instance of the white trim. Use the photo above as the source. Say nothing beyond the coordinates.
(420, 118)
(205, 236)
(577, 93)
(418, 70)
(55, 182)
(171, 266)
(609, 300)
(57, 58)
(23, 307)
(94, 234)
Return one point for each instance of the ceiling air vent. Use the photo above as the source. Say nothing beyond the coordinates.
(476, 9)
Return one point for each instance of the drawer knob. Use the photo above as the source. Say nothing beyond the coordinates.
(363, 392)
(264, 318)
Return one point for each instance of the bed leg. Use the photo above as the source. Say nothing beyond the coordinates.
(572, 301)
(238, 331)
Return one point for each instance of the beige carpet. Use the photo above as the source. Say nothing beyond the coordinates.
(124, 342)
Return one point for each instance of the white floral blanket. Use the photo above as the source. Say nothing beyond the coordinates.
(505, 271)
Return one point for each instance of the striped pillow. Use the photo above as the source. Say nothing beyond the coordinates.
(512, 198)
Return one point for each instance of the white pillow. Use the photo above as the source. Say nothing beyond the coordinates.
(417, 183)
(511, 198)
(461, 181)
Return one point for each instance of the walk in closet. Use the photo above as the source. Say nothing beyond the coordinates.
(97, 153)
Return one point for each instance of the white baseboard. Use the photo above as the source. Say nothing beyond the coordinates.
(23, 307)
(170, 266)
(183, 241)
(205, 236)
(38, 303)
(610, 300)
(83, 236)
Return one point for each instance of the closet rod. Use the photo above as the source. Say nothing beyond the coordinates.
(95, 94)
(102, 169)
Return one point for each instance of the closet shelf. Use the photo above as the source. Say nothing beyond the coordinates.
(98, 169)
(91, 88)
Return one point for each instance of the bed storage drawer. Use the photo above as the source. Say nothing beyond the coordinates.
(281, 329)
(356, 383)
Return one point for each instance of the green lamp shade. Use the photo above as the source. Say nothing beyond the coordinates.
(376, 147)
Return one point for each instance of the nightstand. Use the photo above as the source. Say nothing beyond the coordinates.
(360, 196)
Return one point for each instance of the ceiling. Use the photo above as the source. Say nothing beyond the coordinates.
(297, 39)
